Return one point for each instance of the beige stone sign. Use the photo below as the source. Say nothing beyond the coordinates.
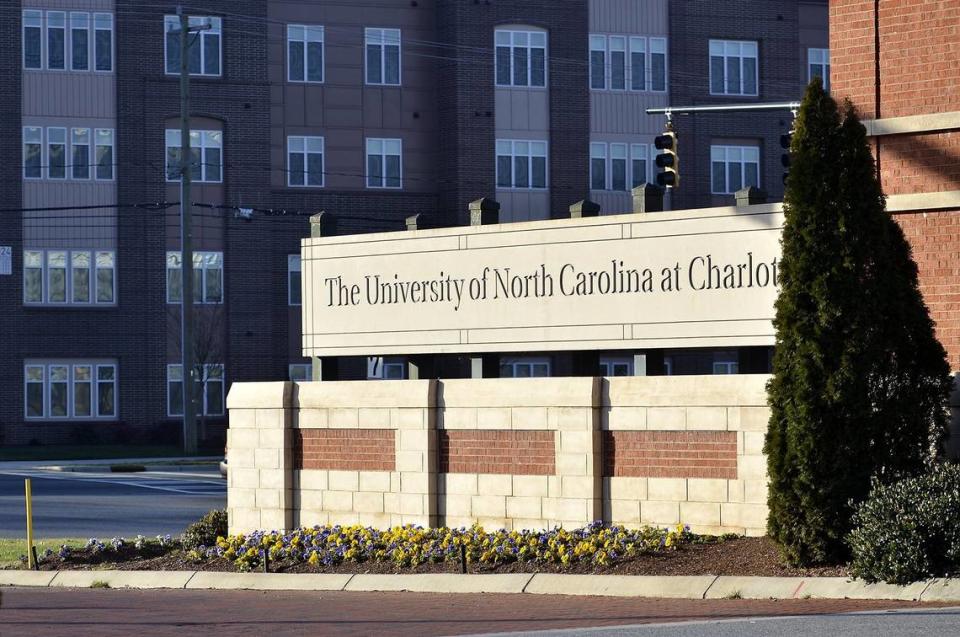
(692, 278)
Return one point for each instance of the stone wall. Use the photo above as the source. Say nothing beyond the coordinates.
(507, 453)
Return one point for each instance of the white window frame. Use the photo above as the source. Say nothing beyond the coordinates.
(530, 363)
(607, 44)
(383, 38)
(725, 363)
(203, 262)
(172, 23)
(608, 365)
(61, 16)
(202, 382)
(383, 154)
(514, 152)
(630, 151)
(94, 260)
(102, 18)
(728, 158)
(71, 365)
(294, 265)
(820, 58)
(300, 372)
(199, 139)
(85, 17)
(516, 37)
(310, 33)
(728, 47)
(32, 19)
(301, 145)
(113, 153)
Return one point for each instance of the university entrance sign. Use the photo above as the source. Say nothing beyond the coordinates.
(693, 278)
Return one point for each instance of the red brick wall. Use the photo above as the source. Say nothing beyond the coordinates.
(670, 454)
(345, 449)
(505, 452)
(927, 162)
(935, 238)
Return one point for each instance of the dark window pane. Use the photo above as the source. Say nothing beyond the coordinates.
(538, 68)
(733, 76)
(295, 61)
(58, 399)
(598, 176)
(31, 48)
(539, 166)
(719, 177)
(195, 57)
(33, 285)
(214, 283)
(35, 400)
(196, 164)
(104, 162)
(521, 172)
(197, 285)
(104, 285)
(81, 285)
(214, 398)
(81, 400)
(638, 71)
(750, 76)
(175, 398)
(735, 177)
(716, 74)
(520, 67)
(81, 161)
(80, 49)
(32, 166)
(56, 51)
(212, 158)
(174, 285)
(658, 72)
(618, 176)
(104, 54)
(392, 63)
(57, 158)
(597, 64)
(393, 171)
(173, 52)
(106, 400)
(751, 175)
(296, 169)
(315, 61)
(211, 54)
(315, 169)
(295, 291)
(374, 68)
(504, 171)
(503, 65)
(374, 171)
(173, 163)
(618, 69)
(639, 172)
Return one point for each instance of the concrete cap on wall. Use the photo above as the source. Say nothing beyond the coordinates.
(260, 395)
(519, 392)
(370, 394)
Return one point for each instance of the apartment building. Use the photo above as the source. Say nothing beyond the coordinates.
(368, 111)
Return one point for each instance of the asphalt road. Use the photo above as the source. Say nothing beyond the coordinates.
(106, 505)
(107, 613)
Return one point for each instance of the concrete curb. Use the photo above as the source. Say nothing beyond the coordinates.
(676, 587)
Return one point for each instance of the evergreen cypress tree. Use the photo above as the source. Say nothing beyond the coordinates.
(860, 384)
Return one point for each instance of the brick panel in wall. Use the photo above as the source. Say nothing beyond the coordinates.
(670, 454)
(345, 449)
(927, 162)
(504, 452)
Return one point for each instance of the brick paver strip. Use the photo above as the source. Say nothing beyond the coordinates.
(108, 613)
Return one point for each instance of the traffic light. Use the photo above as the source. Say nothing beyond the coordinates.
(785, 141)
(669, 159)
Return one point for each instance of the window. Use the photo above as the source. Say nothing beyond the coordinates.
(104, 153)
(524, 368)
(33, 39)
(733, 68)
(56, 153)
(304, 53)
(725, 363)
(78, 277)
(208, 386)
(203, 46)
(300, 372)
(384, 163)
(386, 368)
(207, 277)
(521, 57)
(617, 166)
(733, 168)
(818, 65)
(644, 69)
(383, 56)
(521, 164)
(78, 390)
(56, 40)
(293, 280)
(80, 41)
(206, 155)
(80, 146)
(32, 152)
(305, 161)
(103, 41)
(616, 366)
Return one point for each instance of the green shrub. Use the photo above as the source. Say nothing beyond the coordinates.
(909, 530)
(206, 530)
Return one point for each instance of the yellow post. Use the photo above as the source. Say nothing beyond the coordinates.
(26, 486)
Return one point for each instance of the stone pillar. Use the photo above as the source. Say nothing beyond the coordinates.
(648, 197)
(321, 225)
(484, 212)
(750, 196)
(584, 208)
(260, 457)
(413, 222)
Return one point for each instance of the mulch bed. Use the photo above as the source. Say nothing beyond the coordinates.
(739, 556)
